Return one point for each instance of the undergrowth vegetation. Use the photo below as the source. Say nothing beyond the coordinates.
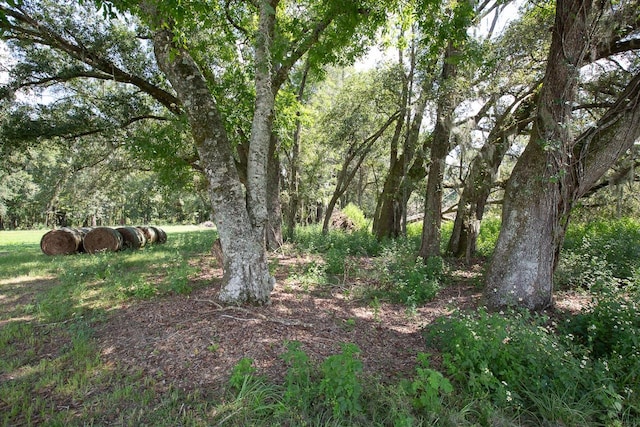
(479, 368)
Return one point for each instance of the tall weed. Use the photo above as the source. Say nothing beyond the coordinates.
(355, 214)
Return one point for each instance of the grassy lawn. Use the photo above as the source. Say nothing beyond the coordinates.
(50, 371)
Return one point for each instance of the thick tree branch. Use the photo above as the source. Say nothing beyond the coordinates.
(598, 147)
(39, 33)
(282, 72)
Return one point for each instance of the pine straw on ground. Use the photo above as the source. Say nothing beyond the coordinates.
(191, 342)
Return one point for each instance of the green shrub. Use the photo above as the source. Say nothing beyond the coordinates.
(409, 279)
(299, 387)
(488, 237)
(583, 270)
(428, 387)
(614, 244)
(610, 329)
(518, 363)
(355, 214)
(340, 385)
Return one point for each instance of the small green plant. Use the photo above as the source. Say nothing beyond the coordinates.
(242, 372)
(335, 259)
(411, 280)
(349, 324)
(340, 385)
(375, 305)
(140, 288)
(428, 387)
(299, 389)
(356, 215)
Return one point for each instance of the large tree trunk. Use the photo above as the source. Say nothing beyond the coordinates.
(262, 124)
(555, 169)
(386, 221)
(294, 196)
(246, 274)
(397, 187)
(482, 173)
(274, 208)
(440, 146)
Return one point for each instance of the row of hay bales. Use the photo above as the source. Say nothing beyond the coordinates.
(67, 241)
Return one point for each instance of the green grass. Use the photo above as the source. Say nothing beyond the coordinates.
(51, 371)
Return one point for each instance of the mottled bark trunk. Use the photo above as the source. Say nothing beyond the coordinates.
(246, 275)
(274, 209)
(262, 124)
(541, 188)
(388, 218)
(397, 186)
(482, 173)
(440, 146)
(431, 224)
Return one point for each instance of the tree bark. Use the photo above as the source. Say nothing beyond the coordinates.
(398, 186)
(262, 124)
(246, 275)
(481, 178)
(274, 208)
(555, 168)
(440, 146)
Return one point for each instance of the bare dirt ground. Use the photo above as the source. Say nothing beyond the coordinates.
(191, 342)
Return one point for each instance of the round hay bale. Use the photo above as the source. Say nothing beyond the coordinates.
(132, 237)
(102, 239)
(64, 241)
(162, 235)
(149, 233)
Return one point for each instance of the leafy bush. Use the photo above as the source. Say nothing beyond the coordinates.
(488, 237)
(583, 270)
(610, 329)
(410, 279)
(355, 214)
(340, 386)
(611, 246)
(428, 387)
(518, 362)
